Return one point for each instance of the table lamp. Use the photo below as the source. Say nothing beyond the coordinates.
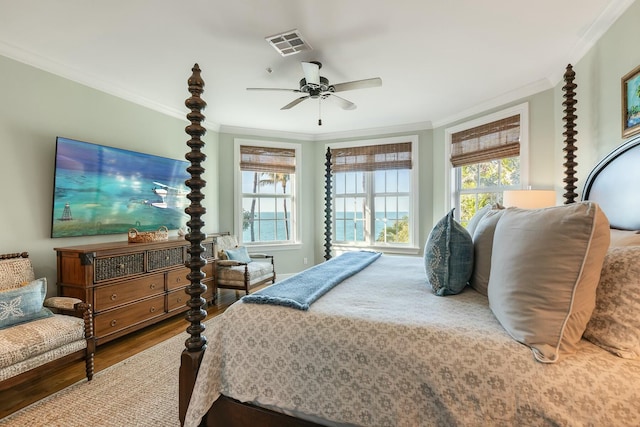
(529, 199)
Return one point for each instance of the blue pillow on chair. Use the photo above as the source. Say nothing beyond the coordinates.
(23, 304)
(239, 254)
(448, 256)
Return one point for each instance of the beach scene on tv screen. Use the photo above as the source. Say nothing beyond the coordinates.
(106, 190)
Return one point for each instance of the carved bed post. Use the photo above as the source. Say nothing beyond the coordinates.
(327, 206)
(87, 316)
(569, 134)
(196, 344)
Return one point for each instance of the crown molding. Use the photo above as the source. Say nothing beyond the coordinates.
(266, 133)
(358, 133)
(601, 25)
(497, 102)
(410, 127)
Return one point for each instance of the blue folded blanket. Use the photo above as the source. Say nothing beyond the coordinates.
(302, 289)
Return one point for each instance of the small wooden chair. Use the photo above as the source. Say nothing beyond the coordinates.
(246, 271)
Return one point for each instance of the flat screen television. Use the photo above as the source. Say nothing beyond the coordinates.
(105, 190)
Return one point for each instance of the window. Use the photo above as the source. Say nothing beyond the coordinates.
(373, 193)
(487, 156)
(268, 192)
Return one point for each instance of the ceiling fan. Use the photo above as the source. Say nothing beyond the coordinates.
(315, 86)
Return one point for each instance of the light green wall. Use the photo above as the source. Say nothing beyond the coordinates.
(35, 107)
(599, 93)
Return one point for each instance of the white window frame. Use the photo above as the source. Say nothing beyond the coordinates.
(452, 183)
(412, 247)
(294, 212)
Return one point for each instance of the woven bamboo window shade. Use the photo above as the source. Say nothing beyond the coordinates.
(372, 157)
(496, 140)
(267, 159)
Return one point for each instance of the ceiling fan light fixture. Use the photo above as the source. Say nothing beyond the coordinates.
(288, 43)
(315, 86)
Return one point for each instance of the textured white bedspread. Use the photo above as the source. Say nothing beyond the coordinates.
(381, 349)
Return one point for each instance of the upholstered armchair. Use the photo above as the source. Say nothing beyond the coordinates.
(38, 335)
(237, 269)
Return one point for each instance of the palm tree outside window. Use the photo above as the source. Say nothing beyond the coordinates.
(268, 204)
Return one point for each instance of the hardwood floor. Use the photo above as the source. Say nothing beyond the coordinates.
(106, 355)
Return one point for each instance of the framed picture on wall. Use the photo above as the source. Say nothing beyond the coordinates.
(631, 103)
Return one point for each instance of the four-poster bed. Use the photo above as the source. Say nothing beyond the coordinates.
(364, 354)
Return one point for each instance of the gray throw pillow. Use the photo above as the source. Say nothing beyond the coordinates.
(448, 256)
(545, 267)
(482, 249)
(475, 219)
(479, 215)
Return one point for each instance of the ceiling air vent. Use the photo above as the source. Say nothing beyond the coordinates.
(288, 43)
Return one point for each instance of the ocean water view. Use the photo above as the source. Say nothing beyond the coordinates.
(271, 228)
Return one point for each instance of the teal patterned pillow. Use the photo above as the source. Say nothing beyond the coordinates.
(238, 254)
(448, 256)
(23, 304)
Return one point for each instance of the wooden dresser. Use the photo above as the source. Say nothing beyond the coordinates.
(130, 285)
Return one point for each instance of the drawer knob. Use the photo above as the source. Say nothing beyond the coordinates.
(179, 299)
(152, 309)
(178, 279)
(166, 258)
(114, 297)
(152, 286)
(113, 323)
(121, 266)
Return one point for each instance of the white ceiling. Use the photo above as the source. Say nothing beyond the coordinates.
(439, 60)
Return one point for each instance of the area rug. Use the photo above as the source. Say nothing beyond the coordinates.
(139, 391)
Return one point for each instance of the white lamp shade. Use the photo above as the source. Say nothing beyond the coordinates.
(529, 199)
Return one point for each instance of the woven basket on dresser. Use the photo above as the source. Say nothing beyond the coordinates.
(136, 236)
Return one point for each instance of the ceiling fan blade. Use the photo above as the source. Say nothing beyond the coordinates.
(357, 84)
(294, 102)
(274, 88)
(311, 72)
(343, 103)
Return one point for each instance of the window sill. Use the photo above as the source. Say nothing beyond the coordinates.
(404, 250)
(271, 247)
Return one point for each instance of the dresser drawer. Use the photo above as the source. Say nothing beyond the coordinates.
(109, 296)
(177, 299)
(177, 278)
(163, 258)
(112, 321)
(114, 267)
